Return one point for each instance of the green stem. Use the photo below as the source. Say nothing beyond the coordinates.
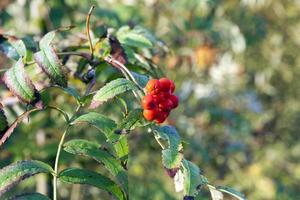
(62, 140)
(57, 162)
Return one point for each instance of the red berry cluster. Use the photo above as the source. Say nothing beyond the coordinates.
(159, 100)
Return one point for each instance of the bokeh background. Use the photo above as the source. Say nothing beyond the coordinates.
(236, 65)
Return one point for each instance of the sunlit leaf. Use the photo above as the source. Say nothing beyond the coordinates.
(13, 47)
(111, 90)
(82, 176)
(14, 173)
(49, 62)
(20, 85)
(93, 150)
(132, 38)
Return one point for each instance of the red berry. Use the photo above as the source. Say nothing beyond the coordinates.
(153, 86)
(166, 105)
(150, 114)
(161, 117)
(165, 84)
(148, 102)
(174, 100)
(172, 87)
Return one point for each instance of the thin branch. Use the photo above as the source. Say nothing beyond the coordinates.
(88, 17)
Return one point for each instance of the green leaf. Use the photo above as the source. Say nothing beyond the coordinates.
(193, 179)
(83, 176)
(93, 150)
(30, 196)
(171, 156)
(111, 90)
(46, 41)
(133, 38)
(101, 122)
(13, 48)
(73, 92)
(20, 85)
(171, 159)
(3, 121)
(121, 148)
(232, 192)
(12, 174)
(49, 62)
(134, 119)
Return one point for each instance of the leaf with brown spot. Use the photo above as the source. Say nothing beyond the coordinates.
(49, 62)
(117, 51)
(21, 86)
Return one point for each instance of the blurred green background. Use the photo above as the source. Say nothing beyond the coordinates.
(236, 65)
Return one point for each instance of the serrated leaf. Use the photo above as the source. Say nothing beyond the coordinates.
(49, 62)
(30, 196)
(13, 48)
(132, 120)
(3, 121)
(172, 156)
(132, 38)
(232, 192)
(12, 174)
(20, 85)
(121, 148)
(83, 176)
(101, 122)
(111, 90)
(193, 179)
(93, 150)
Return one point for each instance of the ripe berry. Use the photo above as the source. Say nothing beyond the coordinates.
(161, 116)
(166, 105)
(148, 102)
(165, 84)
(150, 114)
(174, 100)
(153, 86)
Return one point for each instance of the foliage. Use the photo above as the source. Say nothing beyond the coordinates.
(235, 65)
